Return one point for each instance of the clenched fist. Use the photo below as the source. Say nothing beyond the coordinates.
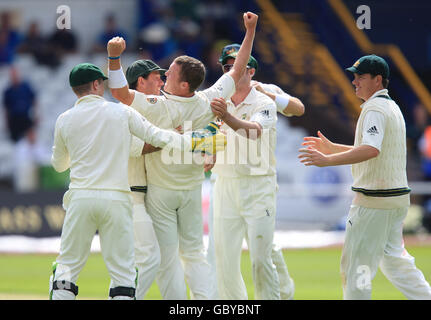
(250, 20)
(116, 46)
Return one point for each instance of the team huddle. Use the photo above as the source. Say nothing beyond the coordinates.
(137, 168)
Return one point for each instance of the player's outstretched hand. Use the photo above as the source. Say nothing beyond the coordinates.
(258, 86)
(209, 144)
(219, 107)
(209, 140)
(311, 157)
(116, 46)
(250, 20)
(320, 143)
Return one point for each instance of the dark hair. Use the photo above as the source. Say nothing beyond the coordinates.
(192, 71)
(134, 84)
(85, 88)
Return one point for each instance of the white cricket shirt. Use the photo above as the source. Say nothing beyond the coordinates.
(247, 157)
(93, 138)
(180, 170)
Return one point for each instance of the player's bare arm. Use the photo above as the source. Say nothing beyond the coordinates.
(312, 157)
(238, 69)
(324, 145)
(249, 129)
(294, 107)
(116, 47)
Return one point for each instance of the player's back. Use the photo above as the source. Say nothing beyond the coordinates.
(97, 137)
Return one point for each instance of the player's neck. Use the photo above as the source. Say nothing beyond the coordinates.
(240, 94)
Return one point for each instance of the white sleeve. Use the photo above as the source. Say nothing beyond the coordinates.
(136, 147)
(223, 88)
(373, 129)
(60, 159)
(266, 115)
(144, 130)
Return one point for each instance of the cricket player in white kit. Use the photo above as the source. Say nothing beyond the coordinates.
(143, 76)
(245, 191)
(173, 199)
(288, 106)
(375, 222)
(93, 140)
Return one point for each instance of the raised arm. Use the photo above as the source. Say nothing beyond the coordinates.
(117, 82)
(250, 22)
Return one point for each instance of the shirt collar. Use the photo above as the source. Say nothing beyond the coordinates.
(178, 98)
(249, 100)
(89, 98)
(377, 93)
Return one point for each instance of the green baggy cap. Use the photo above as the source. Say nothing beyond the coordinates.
(231, 51)
(141, 68)
(372, 64)
(84, 73)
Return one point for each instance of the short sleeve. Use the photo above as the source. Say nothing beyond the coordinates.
(373, 129)
(266, 115)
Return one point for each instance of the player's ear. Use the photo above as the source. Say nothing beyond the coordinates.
(252, 72)
(140, 81)
(185, 86)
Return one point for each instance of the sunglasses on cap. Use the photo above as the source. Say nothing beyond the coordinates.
(227, 67)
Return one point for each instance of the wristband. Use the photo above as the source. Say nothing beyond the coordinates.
(117, 79)
(282, 101)
(114, 58)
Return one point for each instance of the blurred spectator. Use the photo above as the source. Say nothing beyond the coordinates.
(415, 131)
(36, 44)
(210, 59)
(19, 101)
(424, 146)
(425, 150)
(157, 37)
(25, 173)
(188, 37)
(9, 39)
(63, 42)
(111, 30)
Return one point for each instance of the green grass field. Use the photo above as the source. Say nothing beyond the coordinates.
(315, 272)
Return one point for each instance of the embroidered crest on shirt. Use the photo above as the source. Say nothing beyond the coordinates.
(152, 100)
(373, 130)
(244, 116)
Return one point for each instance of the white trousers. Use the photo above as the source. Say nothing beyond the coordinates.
(147, 251)
(244, 208)
(110, 213)
(177, 219)
(374, 238)
(287, 285)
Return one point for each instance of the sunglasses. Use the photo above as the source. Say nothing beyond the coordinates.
(227, 67)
